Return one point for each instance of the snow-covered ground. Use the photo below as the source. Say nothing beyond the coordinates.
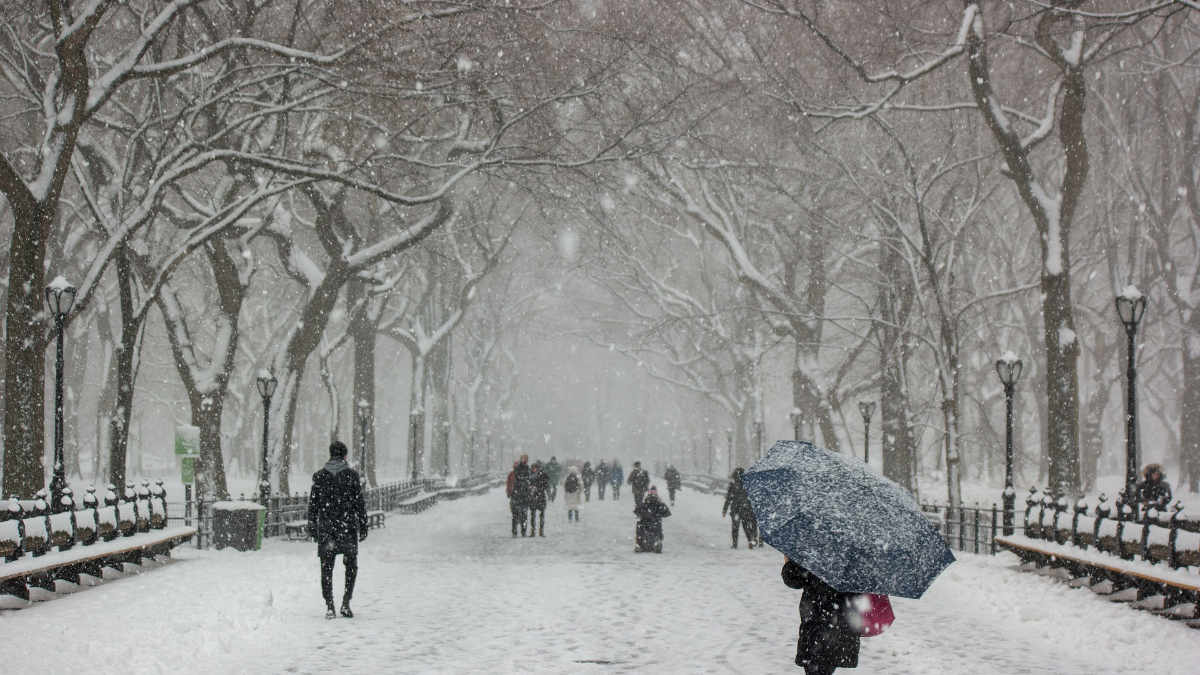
(450, 591)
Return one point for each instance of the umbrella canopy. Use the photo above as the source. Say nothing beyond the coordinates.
(857, 531)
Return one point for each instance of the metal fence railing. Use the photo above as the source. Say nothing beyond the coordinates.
(282, 509)
(972, 529)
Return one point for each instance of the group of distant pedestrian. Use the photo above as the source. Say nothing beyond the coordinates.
(603, 475)
(528, 488)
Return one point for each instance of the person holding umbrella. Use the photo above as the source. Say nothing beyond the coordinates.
(826, 641)
(848, 534)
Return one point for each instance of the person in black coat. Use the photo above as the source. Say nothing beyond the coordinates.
(518, 500)
(539, 487)
(1154, 492)
(337, 519)
(638, 481)
(674, 481)
(737, 505)
(650, 513)
(826, 641)
(587, 474)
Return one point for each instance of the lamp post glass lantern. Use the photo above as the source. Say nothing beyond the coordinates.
(266, 389)
(1131, 305)
(867, 409)
(1008, 368)
(60, 296)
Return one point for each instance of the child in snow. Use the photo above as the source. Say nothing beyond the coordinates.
(572, 493)
(649, 526)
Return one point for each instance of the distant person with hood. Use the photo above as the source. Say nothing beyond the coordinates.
(539, 485)
(737, 505)
(674, 481)
(1154, 492)
(602, 477)
(639, 480)
(616, 476)
(337, 519)
(650, 513)
(586, 475)
(572, 493)
(826, 641)
(553, 472)
(518, 494)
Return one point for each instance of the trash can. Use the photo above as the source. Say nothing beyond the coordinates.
(238, 525)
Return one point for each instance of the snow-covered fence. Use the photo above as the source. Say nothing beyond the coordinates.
(972, 529)
(407, 496)
(1151, 559)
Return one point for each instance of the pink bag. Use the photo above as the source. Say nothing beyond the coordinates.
(869, 614)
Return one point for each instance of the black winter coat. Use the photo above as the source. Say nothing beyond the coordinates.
(587, 474)
(674, 480)
(825, 639)
(736, 501)
(639, 479)
(651, 511)
(337, 513)
(521, 481)
(1154, 493)
(539, 485)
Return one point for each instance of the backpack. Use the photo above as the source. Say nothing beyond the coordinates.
(869, 614)
(572, 484)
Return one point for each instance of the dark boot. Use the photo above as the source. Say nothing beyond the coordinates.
(329, 612)
(345, 608)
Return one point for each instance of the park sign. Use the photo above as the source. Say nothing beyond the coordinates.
(187, 469)
(187, 439)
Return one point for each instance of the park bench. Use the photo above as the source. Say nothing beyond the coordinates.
(1151, 560)
(298, 529)
(44, 550)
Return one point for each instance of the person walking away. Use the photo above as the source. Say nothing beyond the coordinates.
(519, 500)
(650, 513)
(553, 472)
(639, 480)
(737, 505)
(826, 640)
(539, 485)
(674, 481)
(1154, 492)
(572, 493)
(602, 472)
(586, 476)
(616, 476)
(337, 519)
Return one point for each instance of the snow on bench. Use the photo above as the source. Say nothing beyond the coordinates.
(1151, 562)
(42, 549)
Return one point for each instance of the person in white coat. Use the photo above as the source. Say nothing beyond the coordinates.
(573, 493)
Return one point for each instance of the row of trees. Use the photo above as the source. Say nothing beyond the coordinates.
(880, 198)
(875, 197)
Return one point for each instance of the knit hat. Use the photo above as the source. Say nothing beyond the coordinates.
(653, 490)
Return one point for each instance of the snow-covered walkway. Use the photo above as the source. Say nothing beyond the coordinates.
(450, 591)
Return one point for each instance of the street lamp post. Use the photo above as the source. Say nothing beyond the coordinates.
(866, 408)
(1131, 305)
(60, 295)
(797, 419)
(363, 419)
(266, 389)
(1008, 367)
(710, 452)
(729, 441)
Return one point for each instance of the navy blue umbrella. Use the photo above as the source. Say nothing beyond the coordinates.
(857, 531)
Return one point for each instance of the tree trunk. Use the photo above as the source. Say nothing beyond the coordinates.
(1189, 421)
(363, 334)
(118, 437)
(416, 420)
(24, 354)
(439, 392)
